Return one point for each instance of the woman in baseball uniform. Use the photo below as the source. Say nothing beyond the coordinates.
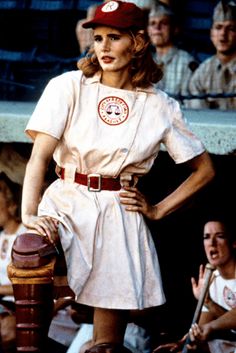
(103, 125)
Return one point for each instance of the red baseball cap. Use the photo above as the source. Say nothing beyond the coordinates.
(117, 14)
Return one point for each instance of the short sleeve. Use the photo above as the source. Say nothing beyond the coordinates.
(180, 142)
(51, 112)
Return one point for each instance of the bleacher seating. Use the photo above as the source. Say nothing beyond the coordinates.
(38, 41)
(196, 28)
(12, 4)
(51, 5)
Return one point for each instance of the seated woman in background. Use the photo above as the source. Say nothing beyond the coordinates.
(10, 228)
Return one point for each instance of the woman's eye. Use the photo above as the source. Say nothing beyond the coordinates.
(221, 236)
(232, 29)
(97, 39)
(114, 37)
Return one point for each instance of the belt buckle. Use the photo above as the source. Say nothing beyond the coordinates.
(99, 180)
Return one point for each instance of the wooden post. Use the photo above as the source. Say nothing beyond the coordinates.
(33, 292)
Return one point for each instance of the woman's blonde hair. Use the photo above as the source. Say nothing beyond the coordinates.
(144, 70)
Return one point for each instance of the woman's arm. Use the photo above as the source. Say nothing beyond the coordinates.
(202, 332)
(226, 321)
(202, 173)
(41, 155)
(214, 309)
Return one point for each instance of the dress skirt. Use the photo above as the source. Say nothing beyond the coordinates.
(110, 254)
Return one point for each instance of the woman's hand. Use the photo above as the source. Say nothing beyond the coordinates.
(175, 347)
(169, 347)
(200, 333)
(44, 225)
(135, 201)
(198, 285)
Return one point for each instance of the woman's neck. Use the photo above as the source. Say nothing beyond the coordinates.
(228, 271)
(117, 80)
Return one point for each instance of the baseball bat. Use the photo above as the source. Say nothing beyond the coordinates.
(208, 273)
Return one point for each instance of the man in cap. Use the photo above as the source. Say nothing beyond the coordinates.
(178, 65)
(217, 74)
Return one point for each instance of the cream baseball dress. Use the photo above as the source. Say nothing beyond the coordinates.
(110, 254)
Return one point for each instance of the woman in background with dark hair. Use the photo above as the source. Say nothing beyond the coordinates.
(10, 228)
(216, 330)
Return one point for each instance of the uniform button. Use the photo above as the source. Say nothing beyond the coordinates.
(124, 150)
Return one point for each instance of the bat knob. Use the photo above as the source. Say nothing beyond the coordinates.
(210, 267)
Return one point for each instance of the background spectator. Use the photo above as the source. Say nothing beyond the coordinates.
(84, 36)
(178, 64)
(217, 74)
(218, 318)
(217, 323)
(10, 228)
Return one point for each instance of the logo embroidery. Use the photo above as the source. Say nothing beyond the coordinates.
(113, 110)
(110, 6)
(229, 297)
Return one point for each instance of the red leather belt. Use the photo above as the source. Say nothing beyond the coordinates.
(95, 182)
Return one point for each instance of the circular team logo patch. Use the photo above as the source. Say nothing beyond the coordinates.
(110, 6)
(113, 110)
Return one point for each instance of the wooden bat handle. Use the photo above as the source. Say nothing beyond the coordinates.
(208, 273)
